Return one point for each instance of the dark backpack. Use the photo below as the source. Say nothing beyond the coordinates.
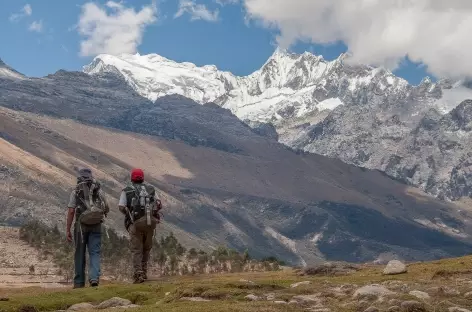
(144, 206)
(91, 204)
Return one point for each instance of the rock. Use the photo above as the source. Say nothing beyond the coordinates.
(167, 294)
(413, 306)
(445, 291)
(396, 285)
(468, 295)
(270, 296)
(419, 294)
(247, 281)
(372, 309)
(280, 302)
(4, 299)
(114, 302)
(395, 267)
(320, 310)
(372, 292)
(300, 284)
(194, 299)
(130, 306)
(307, 299)
(394, 302)
(81, 306)
(252, 297)
(331, 269)
(394, 309)
(457, 309)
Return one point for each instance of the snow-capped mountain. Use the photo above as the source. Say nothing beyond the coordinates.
(357, 113)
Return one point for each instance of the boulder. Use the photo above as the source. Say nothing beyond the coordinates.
(395, 267)
(114, 302)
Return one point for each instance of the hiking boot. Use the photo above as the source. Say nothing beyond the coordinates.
(138, 278)
(93, 284)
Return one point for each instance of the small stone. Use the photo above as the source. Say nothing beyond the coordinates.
(395, 267)
(270, 296)
(468, 295)
(81, 306)
(167, 294)
(193, 299)
(372, 291)
(413, 306)
(394, 309)
(307, 299)
(394, 302)
(320, 310)
(252, 297)
(130, 306)
(4, 299)
(300, 284)
(420, 294)
(247, 281)
(372, 309)
(113, 302)
(280, 302)
(457, 309)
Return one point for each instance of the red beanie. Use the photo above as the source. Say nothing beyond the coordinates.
(137, 175)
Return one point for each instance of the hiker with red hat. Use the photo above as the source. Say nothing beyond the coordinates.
(140, 205)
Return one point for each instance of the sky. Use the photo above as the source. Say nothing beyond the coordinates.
(412, 38)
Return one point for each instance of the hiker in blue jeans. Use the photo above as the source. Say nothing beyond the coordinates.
(87, 230)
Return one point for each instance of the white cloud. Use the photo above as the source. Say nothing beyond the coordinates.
(27, 10)
(113, 29)
(378, 32)
(196, 11)
(36, 26)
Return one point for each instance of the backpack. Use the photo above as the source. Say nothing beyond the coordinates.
(92, 207)
(144, 206)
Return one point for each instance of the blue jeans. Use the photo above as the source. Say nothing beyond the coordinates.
(92, 241)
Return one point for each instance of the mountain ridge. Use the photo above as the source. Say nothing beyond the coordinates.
(370, 109)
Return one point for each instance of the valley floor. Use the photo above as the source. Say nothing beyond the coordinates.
(444, 285)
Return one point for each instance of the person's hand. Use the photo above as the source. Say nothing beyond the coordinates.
(69, 236)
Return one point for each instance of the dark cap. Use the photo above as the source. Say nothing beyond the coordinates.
(85, 173)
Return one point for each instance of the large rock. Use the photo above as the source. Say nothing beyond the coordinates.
(331, 269)
(114, 302)
(395, 267)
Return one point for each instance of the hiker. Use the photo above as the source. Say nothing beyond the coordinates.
(140, 205)
(88, 205)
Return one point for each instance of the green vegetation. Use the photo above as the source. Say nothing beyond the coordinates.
(169, 257)
(446, 281)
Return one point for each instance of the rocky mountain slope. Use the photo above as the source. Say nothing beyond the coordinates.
(221, 181)
(362, 115)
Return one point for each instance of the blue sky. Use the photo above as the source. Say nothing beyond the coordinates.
(39, 37)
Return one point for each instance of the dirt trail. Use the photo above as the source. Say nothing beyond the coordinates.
(16, 259)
